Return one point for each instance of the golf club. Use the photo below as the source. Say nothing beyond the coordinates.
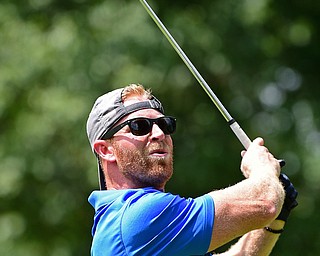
(238, 131)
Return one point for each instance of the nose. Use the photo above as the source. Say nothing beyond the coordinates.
(157, 133)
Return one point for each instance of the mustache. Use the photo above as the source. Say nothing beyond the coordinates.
(159, 146)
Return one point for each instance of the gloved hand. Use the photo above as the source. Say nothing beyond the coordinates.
(290, 201)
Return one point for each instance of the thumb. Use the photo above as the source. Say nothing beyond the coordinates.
(258, 141)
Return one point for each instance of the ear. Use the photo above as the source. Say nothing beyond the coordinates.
(105, 150)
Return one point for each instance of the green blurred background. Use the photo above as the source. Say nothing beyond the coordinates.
(261, 58)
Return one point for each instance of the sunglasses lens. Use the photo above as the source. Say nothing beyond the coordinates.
(167, 124)
(140, 127)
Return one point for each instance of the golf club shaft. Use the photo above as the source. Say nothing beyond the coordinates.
(241, 135)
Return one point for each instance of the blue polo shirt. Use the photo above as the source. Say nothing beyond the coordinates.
(149, 222)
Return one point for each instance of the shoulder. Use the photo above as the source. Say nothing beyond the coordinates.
(152, 202)
(133, 199)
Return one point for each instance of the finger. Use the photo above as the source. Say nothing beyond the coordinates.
(258, 141)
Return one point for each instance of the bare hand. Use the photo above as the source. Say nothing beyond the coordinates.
(258, 159)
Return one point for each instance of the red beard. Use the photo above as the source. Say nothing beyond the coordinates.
(144, 169)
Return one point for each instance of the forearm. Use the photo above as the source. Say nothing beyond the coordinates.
(258, 242)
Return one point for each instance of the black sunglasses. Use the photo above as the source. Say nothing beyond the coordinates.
(140, 126)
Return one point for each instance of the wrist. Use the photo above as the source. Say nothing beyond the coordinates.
(277, 224)
(273, 231)
(275, 227)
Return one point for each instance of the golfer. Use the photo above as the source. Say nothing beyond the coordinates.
(134, 215)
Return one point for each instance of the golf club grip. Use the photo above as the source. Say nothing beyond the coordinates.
(244, 139)
(241, 135)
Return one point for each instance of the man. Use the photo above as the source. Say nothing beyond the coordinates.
(130, 135)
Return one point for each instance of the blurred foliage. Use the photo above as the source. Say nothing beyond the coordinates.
(56, 57)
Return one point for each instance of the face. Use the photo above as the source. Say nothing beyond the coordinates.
(145, 160)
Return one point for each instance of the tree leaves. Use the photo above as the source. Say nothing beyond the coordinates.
(57, 57)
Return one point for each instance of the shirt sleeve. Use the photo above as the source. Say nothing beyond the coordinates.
(165, 224)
